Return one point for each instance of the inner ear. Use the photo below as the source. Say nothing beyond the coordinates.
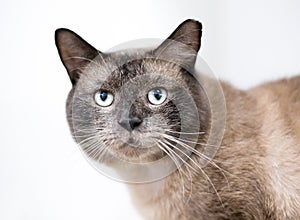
(75, 53)
(183, 44)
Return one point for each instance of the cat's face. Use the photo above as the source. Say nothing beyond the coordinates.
(134, 105)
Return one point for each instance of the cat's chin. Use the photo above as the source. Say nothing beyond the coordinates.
(133, 153)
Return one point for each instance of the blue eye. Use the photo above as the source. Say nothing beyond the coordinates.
(104, 98)
(157, 96)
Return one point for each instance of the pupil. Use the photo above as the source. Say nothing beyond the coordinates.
(103, 96)
(157, 94)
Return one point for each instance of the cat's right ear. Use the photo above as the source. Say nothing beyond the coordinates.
(183, 44)
(75, 53)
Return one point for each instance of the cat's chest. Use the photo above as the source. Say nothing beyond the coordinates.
(146, 193)
(147, 198)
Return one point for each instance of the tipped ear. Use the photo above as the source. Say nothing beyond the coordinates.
(183, 44)
(74, 52)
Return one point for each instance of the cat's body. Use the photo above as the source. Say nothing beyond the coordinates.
(260, 158)
(255, 173)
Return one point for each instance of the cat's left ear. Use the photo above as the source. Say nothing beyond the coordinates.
(182, 45)
(74, 52)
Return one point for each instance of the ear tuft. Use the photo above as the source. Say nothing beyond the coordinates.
(74, 52)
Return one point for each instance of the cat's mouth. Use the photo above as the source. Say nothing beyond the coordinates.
(133, 142)
(135, 149)
(137, 143)
(135, 139)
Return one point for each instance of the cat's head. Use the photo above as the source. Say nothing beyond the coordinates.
(136, 104)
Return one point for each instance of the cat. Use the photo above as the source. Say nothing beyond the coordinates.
(138, 106)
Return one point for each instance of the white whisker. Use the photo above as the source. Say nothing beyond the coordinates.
(173, 156)
(198, 166)
(203, 156)
(180, 132)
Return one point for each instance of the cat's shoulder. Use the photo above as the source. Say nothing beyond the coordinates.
(280, 88)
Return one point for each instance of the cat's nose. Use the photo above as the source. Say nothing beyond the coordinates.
(134, 122)
(131, 123)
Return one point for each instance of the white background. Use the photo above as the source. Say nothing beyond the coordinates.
(42, 173)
